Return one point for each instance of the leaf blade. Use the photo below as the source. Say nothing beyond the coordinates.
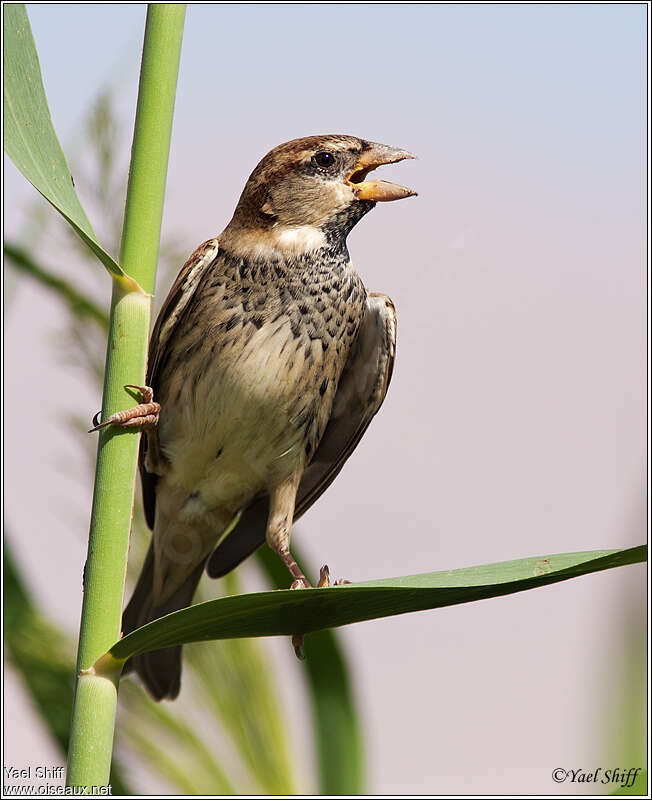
(30, 138)
(282, 613)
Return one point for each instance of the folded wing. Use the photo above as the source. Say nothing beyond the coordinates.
(173, 309)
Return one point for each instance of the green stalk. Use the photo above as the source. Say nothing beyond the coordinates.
(91, 735)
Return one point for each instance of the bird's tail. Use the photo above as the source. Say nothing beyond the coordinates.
(159, 670)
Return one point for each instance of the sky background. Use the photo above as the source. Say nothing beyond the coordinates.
(514, 425)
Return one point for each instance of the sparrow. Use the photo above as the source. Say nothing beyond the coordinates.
(266, 364)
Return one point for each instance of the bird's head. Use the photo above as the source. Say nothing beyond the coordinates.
(311, 191)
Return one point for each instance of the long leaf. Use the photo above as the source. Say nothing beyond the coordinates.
(283, 613)
(30, 139)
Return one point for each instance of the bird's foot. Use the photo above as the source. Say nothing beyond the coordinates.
(144, 415)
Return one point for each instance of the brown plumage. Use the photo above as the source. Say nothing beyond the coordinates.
(268, 359)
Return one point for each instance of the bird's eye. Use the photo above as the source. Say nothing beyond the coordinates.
(324, 159)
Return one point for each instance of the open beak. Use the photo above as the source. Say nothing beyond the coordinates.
(378, 191)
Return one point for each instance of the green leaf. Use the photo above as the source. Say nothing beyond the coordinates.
(79, 304)
(337, 728)
(30, 139)
(638, 787)
(283, 613)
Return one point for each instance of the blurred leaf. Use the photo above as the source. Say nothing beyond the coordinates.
(339, 738)
(158, 734)
(621, 694)
(235, 682)
(30, 139)
(44, 658)
(80, 305)
(336, 725)
(638, 788)
(283, 613)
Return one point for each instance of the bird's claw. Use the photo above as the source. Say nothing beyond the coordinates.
(325, 579)
(297, 643)
(144, 415)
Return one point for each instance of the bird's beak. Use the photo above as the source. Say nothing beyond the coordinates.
(378, 191)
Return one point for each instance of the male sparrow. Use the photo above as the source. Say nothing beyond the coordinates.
(268, 361)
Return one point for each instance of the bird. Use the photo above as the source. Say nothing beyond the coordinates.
(266, 364)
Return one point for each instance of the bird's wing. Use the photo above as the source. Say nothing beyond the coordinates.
(179, 296)
(360, 393)
(169, 316)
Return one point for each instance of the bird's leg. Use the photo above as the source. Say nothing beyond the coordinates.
(300, 581)
(279, 525)
(144, 415)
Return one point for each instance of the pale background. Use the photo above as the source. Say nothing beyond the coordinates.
(515, 421)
